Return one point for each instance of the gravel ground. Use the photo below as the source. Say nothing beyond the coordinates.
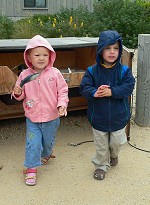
(68, 179)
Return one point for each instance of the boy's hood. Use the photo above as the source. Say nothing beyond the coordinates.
(37, 41)
(107, 38)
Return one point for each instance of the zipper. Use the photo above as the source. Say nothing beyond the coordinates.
(126, 109)
(39, 81)
(109, 108)
(91, 120)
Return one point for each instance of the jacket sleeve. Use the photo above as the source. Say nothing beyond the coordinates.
(87, 88)
(62, 92)
(126, 87)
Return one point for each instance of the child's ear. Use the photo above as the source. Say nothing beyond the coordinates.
(29, 58)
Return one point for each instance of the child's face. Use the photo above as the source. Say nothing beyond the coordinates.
(39, 57)
(110, 54)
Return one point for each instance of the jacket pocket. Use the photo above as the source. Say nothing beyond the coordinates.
(30, 105)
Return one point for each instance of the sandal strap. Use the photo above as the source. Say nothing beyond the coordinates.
(30, 177)
(44, 160)
(29, 171)
(52, 156)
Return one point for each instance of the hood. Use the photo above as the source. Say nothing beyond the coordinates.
(107, 38)
(37, 41)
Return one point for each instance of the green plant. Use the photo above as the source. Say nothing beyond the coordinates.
(129, 18)
(6, 27)
(25, 28)
(67, 22)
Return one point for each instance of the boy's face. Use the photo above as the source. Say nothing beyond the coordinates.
(110, 54)
(39, 57)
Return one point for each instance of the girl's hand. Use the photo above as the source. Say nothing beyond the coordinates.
(62, 111)
(17, 90)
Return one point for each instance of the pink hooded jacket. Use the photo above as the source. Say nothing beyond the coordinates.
(42, 97)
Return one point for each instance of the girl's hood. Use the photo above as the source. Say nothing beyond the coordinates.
(37, 41)
(107, 38)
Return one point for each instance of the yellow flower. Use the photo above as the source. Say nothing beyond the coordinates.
(75, 26)
(60, 36)
(54, 20)
(54, 25)
(41, 24)
(81, 24)
(70, 21)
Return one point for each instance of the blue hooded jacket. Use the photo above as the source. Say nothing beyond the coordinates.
(108, 113)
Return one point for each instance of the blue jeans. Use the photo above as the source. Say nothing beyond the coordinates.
(40, 140)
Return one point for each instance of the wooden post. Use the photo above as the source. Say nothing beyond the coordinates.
(127, 60)
(142, 114)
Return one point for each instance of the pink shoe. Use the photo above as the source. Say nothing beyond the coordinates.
(30, 176)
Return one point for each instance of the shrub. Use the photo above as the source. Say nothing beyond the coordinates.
(25, 28)
(129, 18)
(6, 27)
(67, 22)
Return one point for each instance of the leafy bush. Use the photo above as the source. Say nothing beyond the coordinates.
(67, 22)
(129, 18)
(25, 28)
(6, 27)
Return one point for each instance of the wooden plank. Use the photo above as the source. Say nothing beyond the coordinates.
(69, 4)
(142, 115)
(11, 59)
(87, 58)
(63, 3)
(127, 60)
(3, 6)
(127, 57)
(7, 80)
(11, 7)
(65, 59)
(75, 4)
(77, 103)
(73, 79)
(18, 9)
(10, 111)
(52, 6)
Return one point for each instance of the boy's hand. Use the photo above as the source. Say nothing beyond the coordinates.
(103, 91)
(62, 111)
(17, 90)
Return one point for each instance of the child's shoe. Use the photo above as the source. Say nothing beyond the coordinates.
(113, 161)
(30, 176)
(99, 174)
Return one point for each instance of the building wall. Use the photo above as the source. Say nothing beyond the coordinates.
(15, 8)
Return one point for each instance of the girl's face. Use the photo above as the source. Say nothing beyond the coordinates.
(110, 54)
(39, 57)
